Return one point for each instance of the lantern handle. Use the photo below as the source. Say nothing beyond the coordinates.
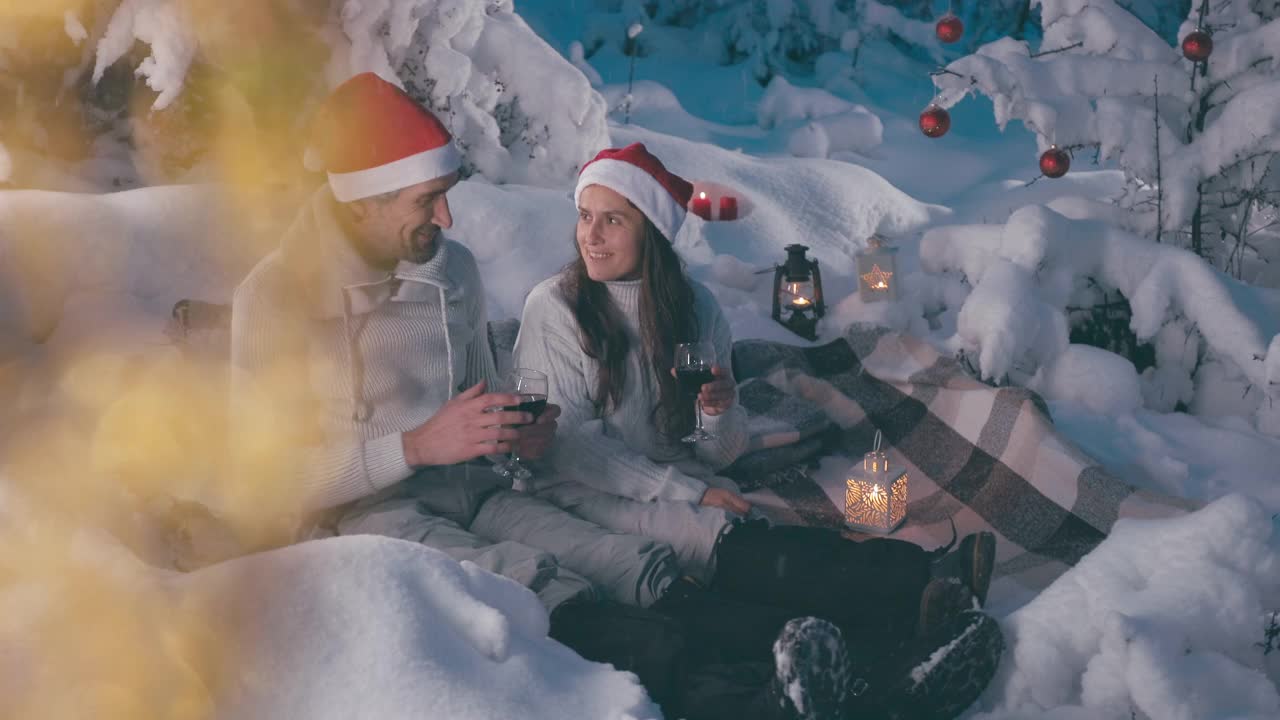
(876, 446)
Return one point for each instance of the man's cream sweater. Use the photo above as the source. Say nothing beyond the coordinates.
(334, 360)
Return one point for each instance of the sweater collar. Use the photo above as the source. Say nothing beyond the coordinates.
(320, 256)
(625, 295)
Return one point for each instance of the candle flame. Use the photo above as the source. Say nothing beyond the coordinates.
(800, 302)
(877, 279)
(875, 492)
(702, 196)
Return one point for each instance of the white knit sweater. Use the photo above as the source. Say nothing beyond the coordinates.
(351, 356)
(622, 452)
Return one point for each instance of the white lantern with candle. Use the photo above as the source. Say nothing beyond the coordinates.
(875, 498)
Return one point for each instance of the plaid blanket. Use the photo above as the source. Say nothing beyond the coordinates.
(984, 457)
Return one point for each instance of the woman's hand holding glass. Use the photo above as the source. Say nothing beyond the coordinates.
(536, 437)
(718, 395)
(692, 368)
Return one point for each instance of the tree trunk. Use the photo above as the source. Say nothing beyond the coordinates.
(1197, 232)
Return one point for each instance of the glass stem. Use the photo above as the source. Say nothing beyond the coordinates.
(699, 404)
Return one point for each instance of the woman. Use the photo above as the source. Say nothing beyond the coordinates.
(604, 331)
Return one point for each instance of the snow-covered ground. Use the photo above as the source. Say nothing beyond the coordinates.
(1166, 619)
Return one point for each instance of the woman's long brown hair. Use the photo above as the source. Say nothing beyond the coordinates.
(667, 317)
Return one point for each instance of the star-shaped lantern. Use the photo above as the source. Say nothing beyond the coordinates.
(876, 267)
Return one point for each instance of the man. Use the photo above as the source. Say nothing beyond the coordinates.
(361, 386)
(381, 321)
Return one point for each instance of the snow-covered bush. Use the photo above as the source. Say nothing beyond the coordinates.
(1216, 342)
(781, 36)
(44, 67)
(232, 84)
(1197, 142)
(520, 111)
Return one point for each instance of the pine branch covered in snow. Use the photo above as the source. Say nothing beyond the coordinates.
(1216, 342)
(520, 111)
(164, 27)
(1092, 84)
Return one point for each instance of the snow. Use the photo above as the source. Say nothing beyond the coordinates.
(822, 123)
(577, 56)
(448, 639)
(1103, 382)
(1163, 620)
(161, 25)
(922, 671)
(357, 626)
(75, 30)
(1197, 141)
(1025, 274)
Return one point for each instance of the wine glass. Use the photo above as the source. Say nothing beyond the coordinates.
(693, 370)
(531, 386)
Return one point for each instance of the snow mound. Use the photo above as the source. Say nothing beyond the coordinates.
(817, 123)
(359, 626)
(399, 630)
(1102, 381)
(112, 264)
(1163, 620)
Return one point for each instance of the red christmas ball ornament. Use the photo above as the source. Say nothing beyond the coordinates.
(935, 121)
(1197, 46)
(949, 28)
(1055, 162)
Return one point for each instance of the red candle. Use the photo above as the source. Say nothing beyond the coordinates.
(728, 208)
(702, 206)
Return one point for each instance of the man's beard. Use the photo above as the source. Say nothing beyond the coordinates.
(422, 243)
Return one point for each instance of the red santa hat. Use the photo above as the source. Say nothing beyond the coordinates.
(637, 175)
(372, 138)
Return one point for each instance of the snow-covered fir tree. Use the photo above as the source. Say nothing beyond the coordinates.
(1197, 140)
(780, 37)
(1197, 143)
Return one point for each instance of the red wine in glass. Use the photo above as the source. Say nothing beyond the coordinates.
(692, 378)
(530, 403)
(531, 386)
(693, 363)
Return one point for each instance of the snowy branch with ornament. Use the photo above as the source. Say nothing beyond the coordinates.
(1196, 129)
